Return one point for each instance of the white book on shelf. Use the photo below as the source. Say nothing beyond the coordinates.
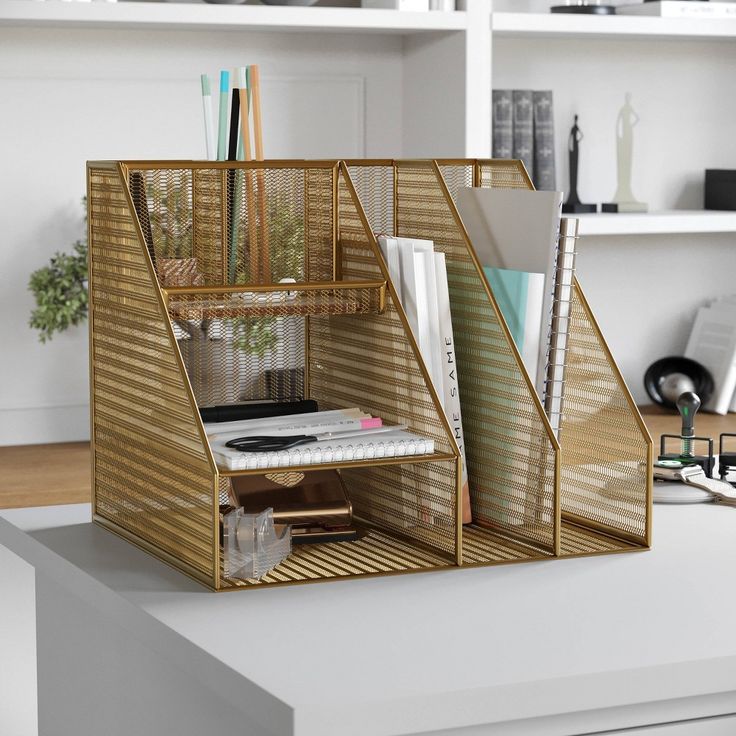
(433, 358)
(415, 258)
(426, 300)
(450, 388)
(680, 9)
(713, 344)
(390, 250)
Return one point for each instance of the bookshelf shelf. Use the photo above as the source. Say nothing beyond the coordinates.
(200, 16)
(536, 25)
(654, 223)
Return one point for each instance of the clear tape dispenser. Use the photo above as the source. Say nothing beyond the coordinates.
(252, 544)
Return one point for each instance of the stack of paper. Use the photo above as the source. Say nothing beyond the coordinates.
(713, 344)
(517, 230)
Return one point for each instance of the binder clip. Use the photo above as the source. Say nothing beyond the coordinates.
(688, 404)
(726, 460)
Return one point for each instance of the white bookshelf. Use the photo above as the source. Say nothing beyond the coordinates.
(658, 223)
(120, 80)
(548, 25)
(203, 16)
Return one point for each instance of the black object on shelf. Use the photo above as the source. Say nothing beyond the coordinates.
(237, 412)
(720, 189)
(668, 378)
(573, 205)
(584, 10)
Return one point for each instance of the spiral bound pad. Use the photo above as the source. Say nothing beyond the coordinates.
(390, 444)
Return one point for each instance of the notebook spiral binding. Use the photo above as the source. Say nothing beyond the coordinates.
(554, 385)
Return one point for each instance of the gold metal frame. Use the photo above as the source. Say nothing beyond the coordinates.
(155, 480)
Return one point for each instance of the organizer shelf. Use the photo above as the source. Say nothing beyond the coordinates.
(188, 309)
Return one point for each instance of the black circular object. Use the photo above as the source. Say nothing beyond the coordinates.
(585, 9)
(665, 374)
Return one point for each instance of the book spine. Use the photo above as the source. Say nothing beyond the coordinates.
(544, 141)
(503, 130)
(450, 388)
(523, 125)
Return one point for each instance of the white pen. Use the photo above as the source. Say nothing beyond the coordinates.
(314, 417)
(209, 128)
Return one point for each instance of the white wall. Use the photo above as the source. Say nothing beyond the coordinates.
(644, 289)
(74, 95)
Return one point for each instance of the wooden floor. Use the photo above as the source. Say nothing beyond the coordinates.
(44, 475)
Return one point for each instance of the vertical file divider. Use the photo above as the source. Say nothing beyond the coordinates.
(376, 363)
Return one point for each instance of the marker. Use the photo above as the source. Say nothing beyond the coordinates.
(209, 128)
(244, 131)
(222, 129)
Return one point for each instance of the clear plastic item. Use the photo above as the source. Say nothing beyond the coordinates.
(253, 544)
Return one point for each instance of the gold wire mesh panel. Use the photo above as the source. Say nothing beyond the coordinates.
(373, 364)
(511, 456)
(457, 174)
(374, 553)
(606, 451)
(152, 477)
(374, 186)
(503, 174)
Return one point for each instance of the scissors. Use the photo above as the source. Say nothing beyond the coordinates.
(273, 443)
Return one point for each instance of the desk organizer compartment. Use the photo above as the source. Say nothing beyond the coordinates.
(186, 311)
(591, 492)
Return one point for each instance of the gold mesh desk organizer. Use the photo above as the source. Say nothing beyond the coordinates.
(186, 310)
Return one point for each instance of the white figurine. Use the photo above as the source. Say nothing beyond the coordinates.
(624, 199)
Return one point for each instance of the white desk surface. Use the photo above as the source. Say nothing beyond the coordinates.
(410, 653)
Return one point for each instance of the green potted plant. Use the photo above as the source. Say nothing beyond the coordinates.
(60, 291)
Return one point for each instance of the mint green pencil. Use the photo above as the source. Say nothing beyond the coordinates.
(224, 111)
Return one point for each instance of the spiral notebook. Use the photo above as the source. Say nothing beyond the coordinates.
(388, 444)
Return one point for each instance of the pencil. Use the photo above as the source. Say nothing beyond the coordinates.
(255, 87)
(209, 130)
(253, 259)
(222, 128)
